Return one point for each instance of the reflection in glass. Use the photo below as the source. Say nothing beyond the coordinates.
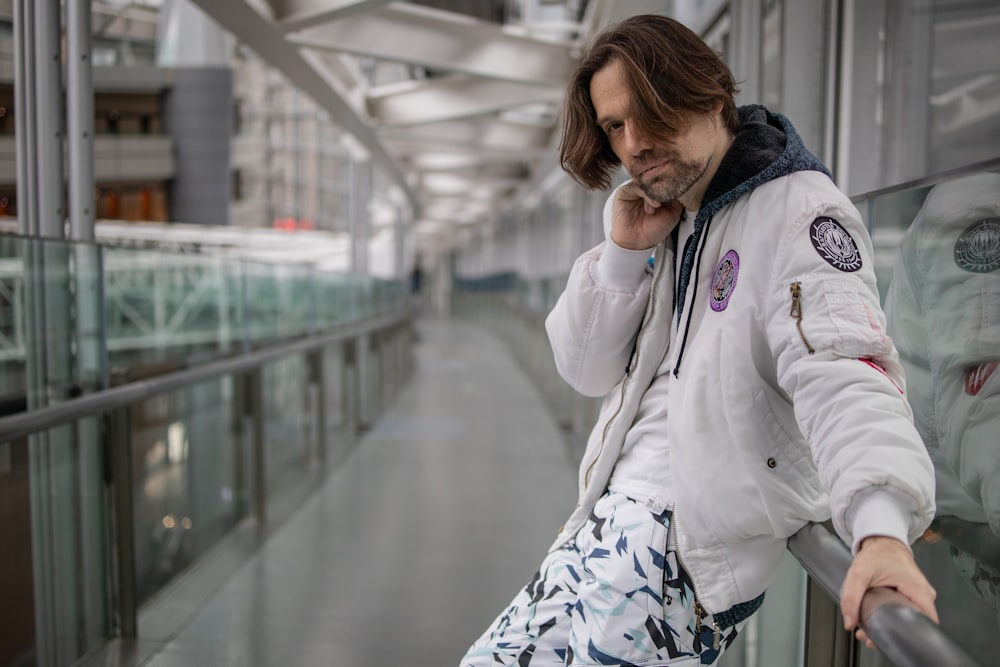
(186, 457)
(943, 309)
(290, 440)
(923, 88)
(17, 615)
(964, 85)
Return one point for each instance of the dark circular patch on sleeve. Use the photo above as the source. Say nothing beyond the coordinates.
(834, 244)
(977, 250)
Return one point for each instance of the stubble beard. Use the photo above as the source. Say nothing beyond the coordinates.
(667, 187)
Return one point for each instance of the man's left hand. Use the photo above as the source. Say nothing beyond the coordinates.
(884, 561)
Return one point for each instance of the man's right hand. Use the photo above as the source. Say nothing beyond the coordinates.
(637, 222)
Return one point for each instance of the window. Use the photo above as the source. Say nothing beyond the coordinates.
(923, 89)
(772, 46)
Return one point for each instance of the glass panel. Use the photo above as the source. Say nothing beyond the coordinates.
(51, 484)
(771, 55)
(964, 83)
(12, 322)
(335, 413)
(187, 462)
(161, 310)
(165, 308)
(279, 301)
(48, 299)
(288, 440)
(924, 89)
(938, 249)
(53, 563)
(17, 614)
(719, 36)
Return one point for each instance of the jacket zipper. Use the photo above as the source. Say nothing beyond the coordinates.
(796, 312)
(629, 366)
(700, 612)
(607, 425)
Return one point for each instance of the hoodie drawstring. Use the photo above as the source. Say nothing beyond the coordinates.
(694, 294)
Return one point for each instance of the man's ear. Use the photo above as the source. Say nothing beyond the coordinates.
(717, 112)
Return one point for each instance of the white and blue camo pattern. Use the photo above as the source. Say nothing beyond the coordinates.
(612, 596)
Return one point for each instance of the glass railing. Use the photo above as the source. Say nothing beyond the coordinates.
(172, 303)
(938, 254)
(161, 309)
(152, 403)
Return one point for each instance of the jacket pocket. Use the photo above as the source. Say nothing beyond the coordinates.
(790, 488)
(859, 322)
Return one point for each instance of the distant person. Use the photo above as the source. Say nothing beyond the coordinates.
(749, 384)
(416, 278)
(943, 309)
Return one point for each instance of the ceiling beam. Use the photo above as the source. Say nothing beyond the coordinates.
(446, 98)
(293, 15)
(481, 133)
(438, 40)
(248, 25)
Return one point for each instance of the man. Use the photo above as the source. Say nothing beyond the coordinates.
(732, 323)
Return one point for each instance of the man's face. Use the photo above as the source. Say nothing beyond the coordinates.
(666, 169)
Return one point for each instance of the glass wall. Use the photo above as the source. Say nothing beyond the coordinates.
(17, 626)
(940, 269)
(771, 53)
(101, 515)
(188, 467)
(287, 420)
(921, 91)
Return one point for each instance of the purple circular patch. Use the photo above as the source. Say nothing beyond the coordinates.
(724, 280)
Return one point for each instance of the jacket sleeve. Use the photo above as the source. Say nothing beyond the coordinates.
(593, 325)
(841, 371)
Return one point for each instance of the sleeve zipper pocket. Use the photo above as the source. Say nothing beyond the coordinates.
(796, 312)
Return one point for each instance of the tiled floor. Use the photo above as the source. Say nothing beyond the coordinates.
(412, 545)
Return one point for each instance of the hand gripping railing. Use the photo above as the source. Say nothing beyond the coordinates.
(901, 633)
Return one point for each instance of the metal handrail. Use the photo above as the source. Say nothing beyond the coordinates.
(903, 634)
(990, 164)
(26, 423)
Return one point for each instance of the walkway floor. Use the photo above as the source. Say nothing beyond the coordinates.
(415, 542)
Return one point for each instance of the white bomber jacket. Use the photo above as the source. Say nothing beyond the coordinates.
(785, 403)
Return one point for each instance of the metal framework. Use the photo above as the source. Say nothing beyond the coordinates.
(465, 132)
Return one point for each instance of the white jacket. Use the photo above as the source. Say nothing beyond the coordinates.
(773, 422)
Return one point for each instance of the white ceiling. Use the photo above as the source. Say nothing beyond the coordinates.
(468, 119)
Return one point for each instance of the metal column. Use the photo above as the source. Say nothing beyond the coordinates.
(80, 120)
(54, 485)
(91, 368)
(48, 110)
(24, 96)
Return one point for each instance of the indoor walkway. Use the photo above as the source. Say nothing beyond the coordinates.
(415, 542)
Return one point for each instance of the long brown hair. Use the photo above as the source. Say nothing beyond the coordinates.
(672, 75)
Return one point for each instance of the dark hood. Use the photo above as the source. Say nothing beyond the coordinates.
(765, 147)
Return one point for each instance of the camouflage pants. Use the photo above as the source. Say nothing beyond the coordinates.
(612, 596)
